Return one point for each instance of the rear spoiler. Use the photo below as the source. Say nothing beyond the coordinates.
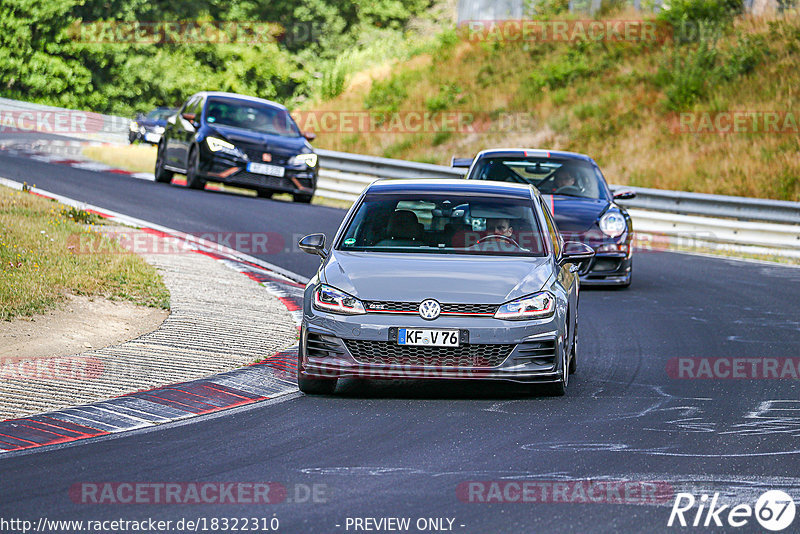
(460, 162)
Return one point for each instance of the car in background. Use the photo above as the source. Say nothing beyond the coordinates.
(149, 128)
(584, 207)
(238, 140)
(427, 279)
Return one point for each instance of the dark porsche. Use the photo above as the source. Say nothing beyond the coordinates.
(584, 207)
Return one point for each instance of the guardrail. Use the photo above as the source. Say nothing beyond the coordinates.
(751, 224)
(696, 219)
(347, 174)
(24, 117)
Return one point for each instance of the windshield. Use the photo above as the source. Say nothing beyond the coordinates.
(254, 116)
(159, 114)
(444, 224)
(552, 176)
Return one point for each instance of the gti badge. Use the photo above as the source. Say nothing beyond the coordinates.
(429, 309)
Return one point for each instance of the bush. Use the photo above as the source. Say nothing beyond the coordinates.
(386, 95)
(333, 80)
(684, 78)
(695, 20)
(566, 69)
(689, 73)
(713, 11)
(449, 95)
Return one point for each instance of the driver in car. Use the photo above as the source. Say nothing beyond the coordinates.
(564, 178)
(499, 227)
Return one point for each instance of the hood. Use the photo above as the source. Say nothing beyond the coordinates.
(152, 123)
(452, 278)
(574, 214)
(274, 143)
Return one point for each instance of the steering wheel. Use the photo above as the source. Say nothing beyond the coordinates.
(498, 236)
(568, 189)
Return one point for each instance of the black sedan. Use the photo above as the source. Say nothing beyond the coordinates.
(149, 128)
(238, 140)
(579, 197)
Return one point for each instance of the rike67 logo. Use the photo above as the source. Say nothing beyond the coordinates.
(774, 510)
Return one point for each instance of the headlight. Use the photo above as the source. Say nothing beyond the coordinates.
(612, 224)
(215, 144)
(308, 159)
(159, 129)
(535, 306)
(133, 126)
(332, 300)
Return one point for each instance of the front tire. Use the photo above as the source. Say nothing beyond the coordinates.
(193, 180)
(302, 199)
(316, 386)
(263, 193)
(559, 389)
(573, 362)
(162, 175)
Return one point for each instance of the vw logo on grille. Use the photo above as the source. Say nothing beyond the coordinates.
(429, 309)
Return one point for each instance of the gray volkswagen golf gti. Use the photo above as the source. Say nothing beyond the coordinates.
(442, 279)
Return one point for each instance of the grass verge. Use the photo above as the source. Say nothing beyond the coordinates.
(40, 265)
(134, 158)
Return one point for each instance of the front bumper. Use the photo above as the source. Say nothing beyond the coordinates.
(607, 269)
(144, 135)
(232, 171)
(334, 346)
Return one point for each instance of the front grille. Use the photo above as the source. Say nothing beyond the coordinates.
(389, 353)
(261, 180)
(605, 264)
(256, 153)
(540, 352)
(488, 309)
(389, 306)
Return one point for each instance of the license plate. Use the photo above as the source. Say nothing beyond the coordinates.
(431, 338)
(152, 137)
(263, 168)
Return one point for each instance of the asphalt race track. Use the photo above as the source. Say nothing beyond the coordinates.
(407, 450)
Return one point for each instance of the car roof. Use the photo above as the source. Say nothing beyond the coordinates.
(532, 152)
(455, 185)
(237, 96)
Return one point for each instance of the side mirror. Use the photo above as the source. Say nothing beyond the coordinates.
(463, 163)
(310, 135)
(314, 244)
(576, 252)
(624, 194)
